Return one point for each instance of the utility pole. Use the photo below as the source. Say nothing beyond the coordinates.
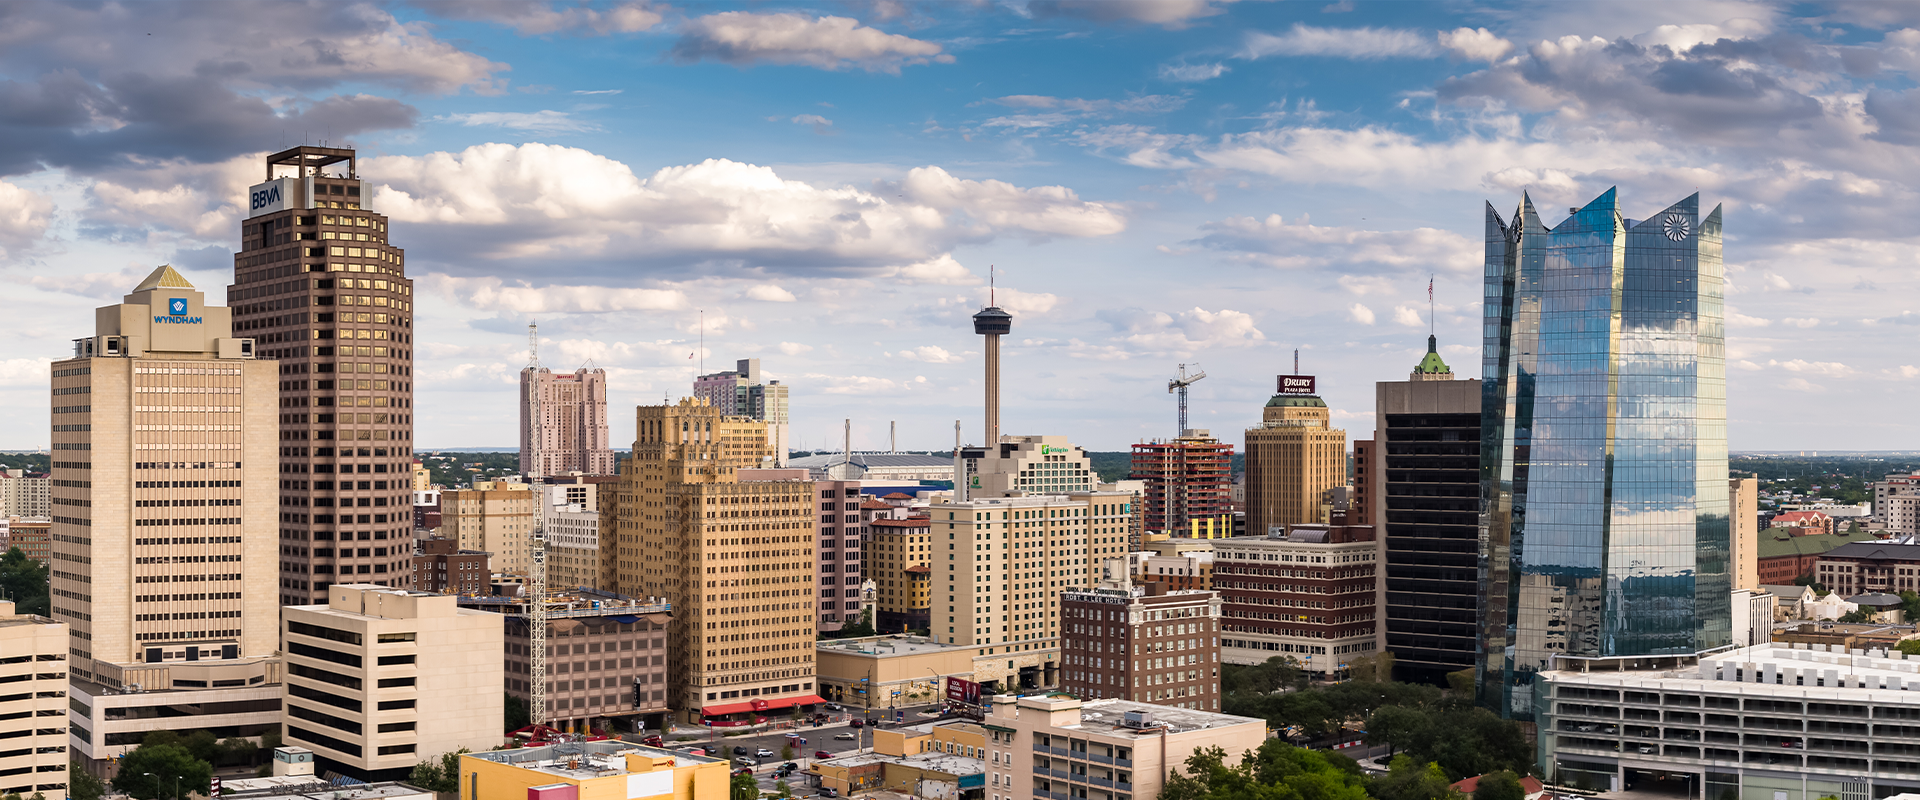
(537, 580)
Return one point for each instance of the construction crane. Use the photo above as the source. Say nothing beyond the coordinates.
(1179, 386)
(537, 580)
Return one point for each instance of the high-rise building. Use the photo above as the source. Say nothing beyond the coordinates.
(25, 494)
(1604, 442)
(495, 517)
(381, 679)
(1143, 642)
(1309, 594)
(1743, 502)
(33, 709)
(1896, 503)
(607, 658)
(1187, 482)
(319, 286)
(1423, 493)
(842, 530)
(1293, 456)
(896, 558)
(573, 410)
(734, 555)
(743, 393)
(164, 451)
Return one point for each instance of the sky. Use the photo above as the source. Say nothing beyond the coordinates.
(827, 185)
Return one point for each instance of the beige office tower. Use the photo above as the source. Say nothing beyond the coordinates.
(1293, 455)
(734, 556)
(573, 411)
(495, 517)
(33, 706)
(1743, 502)
(165, 535)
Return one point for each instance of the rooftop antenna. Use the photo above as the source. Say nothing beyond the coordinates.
(893, 436)
(991, 301)
(1296, 361)
(1431, 331)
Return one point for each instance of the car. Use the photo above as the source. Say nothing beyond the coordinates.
(822, 754)
(833, 707)
(652, 741)
(743, 771)
(746, 762)
(790, 766)
(763, 753)
(741, 751)
(856, 723)
(849, 735)
(828, 792)
(694, 751)
(1647, 749)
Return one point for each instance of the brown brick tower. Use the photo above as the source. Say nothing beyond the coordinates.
(317, 285)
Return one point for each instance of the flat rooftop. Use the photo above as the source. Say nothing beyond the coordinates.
(937, 762)
(592, 759)
(1775, 668)
(1105, 716)
(308, 787)
(887, 647)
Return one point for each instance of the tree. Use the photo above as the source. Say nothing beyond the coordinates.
(786, 752)
(519, 713)
(1406, 779)
(25, 582)
(1401, 728)
(236, 750)
(743, 787)
(1502, 785)
(856, 630)
(161, 772)
(1460, 682)
(1373, 668)
(781, 788)
(83, 785)
(440, 775)
(1857, 615)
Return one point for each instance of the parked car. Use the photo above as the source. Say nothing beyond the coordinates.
(652, 741)
(822, 754)
(790, 766)
(743, 771)
(833, 707)
(741, 751)
(829, 792)
(857, 723)
(746, 762)
(763, 753)
(849, 735)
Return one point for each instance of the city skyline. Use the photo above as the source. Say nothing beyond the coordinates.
(1302, 169)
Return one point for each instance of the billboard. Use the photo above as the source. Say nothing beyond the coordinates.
(1295, 384)
(963, 691)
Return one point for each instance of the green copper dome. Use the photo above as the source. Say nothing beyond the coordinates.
(1431, 364)
(1296, 401)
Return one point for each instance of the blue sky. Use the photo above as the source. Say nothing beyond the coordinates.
(1157, 182)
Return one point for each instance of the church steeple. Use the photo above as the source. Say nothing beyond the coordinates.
(1431, 367)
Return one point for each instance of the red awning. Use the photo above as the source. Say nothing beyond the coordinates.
(730, 708)
(760, 705)
(788, 702)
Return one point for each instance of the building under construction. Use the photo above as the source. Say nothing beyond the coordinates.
(608, 664)
(1188, 485)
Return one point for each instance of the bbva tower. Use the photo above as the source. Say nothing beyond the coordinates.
(1604, 527)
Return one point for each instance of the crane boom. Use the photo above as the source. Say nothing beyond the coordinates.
(537, 579)
(1179, 386)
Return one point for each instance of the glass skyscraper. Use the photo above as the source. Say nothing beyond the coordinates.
(1603, 468)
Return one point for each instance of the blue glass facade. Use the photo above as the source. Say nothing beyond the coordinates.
(1603, 470)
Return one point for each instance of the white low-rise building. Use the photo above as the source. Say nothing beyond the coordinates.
(1768, 722)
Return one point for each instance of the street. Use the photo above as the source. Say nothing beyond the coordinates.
(820, 739)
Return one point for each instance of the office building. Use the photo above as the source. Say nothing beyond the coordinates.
(573, 425)
(441, 567)
(380, 679)
(25, 494)
(841, 568)
(606, 663)
(1309, 594)
(162, 569)
(732, 553)
(1293, 456)
(33, 707)
(1423, 492)
(1896, 503)
(1604, 443)
(592, 771)
(897, 671)
(319, 286)
(1795, 720)
(744, 393)
(897, 556)
(572, 508)
(1857, 568)
(1186, 481)
(494, 517)
(1141, 642)
(1743, 504)
(1177, 563)
(32, 537)
(1063, 747)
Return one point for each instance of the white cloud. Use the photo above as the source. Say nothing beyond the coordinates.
(1360, 313)
(492, 294)
(548, 122)
(1364, 285)
(1832, 369)
(1041, 211)
(1273, 242)
(941, 270)
(24, 217)
(1801, 322)
(929, 354)
(794, 348)
(535, 17)
(1172, 14)
(1737, 318)
(1192, 73)
(25, 372)
(1404, 314)
(1475, 44)
(93, 285)
(1143, 332)
(743, 38)
(866, 385)
(1355, 43)
(770, 293)
(1017, 302)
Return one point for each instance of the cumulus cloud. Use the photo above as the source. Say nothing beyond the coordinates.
(24, 217)
(1801, 322)
(1475, 44)
(794, 348)
(494, 294)
(1165, 13)
(546, 122)
(866, 385)
(1184, 333)
(940, 270)
(1356, 43)
(1017, 302)
(535, 17)
(1274, 242)
(1831, 369)
(770, 293)
(929, 354)
(499, 201)
(25, 373)
(1360, 313)
(1192, 73)
(744, 38)
(92, 285)
(1408, 315)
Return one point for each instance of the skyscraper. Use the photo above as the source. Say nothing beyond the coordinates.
(1189, 482)
(1293, 456)
(164, 440)
(317, 284)
(1603, 466)
(574, 405)
(742, 393)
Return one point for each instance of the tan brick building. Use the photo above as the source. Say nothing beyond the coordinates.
(1293, 456)
(495, 517)
(897, 552)
(1063, 747)
(732, 548)
(33, 707)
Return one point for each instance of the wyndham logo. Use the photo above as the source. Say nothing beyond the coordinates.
(265, 197)
(177, 307)
(177, 313)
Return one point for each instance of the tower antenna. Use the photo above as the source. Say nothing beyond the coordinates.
(1431, 329)
(1296, 361)
(991, 298)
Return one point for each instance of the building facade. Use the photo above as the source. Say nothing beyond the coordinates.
(897, 556)
(1858, 568)
(318, 285)
(1604, 451)
(592, 771)
(493, 517)
(1310, 595)
(744, 393)
(1293, 456)
(606, 662)
(32, 537)
(1896, 503)
(842, 535)
(573, 422)
(441, 567)
(1062, 748)
(1424, 496)
(1177, 563)
(734, 556)
(1141, 642)
(380, 679)
(33, 708)
(1187, 482)
(25, 494)
(161, 568)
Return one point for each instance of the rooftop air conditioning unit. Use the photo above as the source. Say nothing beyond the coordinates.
(1137, 719)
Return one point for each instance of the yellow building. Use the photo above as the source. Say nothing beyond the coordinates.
(732, 548)
(494, 517)
(608, 770)
(33, 709)
(896, 553)
(422, 477)
(929, 760)
(1293, 455)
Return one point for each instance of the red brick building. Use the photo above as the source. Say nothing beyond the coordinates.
(1804, 523)
(1309, 595)
(1188, 480)
(439, 565)
(1144, 643)
(34, 537)
(1785, 554)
